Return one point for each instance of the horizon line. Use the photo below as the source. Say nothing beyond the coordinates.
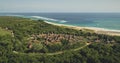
(59, 12)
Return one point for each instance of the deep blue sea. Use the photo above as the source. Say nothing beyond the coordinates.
(100, 20)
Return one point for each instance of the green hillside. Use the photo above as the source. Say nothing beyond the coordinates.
(24, 40)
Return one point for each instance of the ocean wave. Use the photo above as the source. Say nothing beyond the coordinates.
(63, 21)
(49, 19)
(44, 18)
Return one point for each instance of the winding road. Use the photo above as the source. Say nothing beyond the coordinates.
(55, 53)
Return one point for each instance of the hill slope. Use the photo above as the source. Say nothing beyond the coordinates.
(23, 40)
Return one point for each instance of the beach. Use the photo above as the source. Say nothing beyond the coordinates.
(94, 29)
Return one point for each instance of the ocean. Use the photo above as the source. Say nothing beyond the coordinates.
(109, 21)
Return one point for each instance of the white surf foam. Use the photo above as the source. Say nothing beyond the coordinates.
(63, 21)
(49, 19)
(44, 18)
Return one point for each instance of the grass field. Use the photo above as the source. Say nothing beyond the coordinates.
(4, 32)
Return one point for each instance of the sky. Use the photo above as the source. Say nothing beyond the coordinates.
(59, 5)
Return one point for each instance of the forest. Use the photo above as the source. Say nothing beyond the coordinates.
(24, 40)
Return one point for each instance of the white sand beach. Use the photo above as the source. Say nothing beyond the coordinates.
(96, 30)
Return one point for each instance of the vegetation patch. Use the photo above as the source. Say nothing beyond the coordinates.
(23, 40)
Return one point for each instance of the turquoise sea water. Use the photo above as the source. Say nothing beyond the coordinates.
(99, 20)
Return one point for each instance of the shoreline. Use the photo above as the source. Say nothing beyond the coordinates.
(94, 29)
